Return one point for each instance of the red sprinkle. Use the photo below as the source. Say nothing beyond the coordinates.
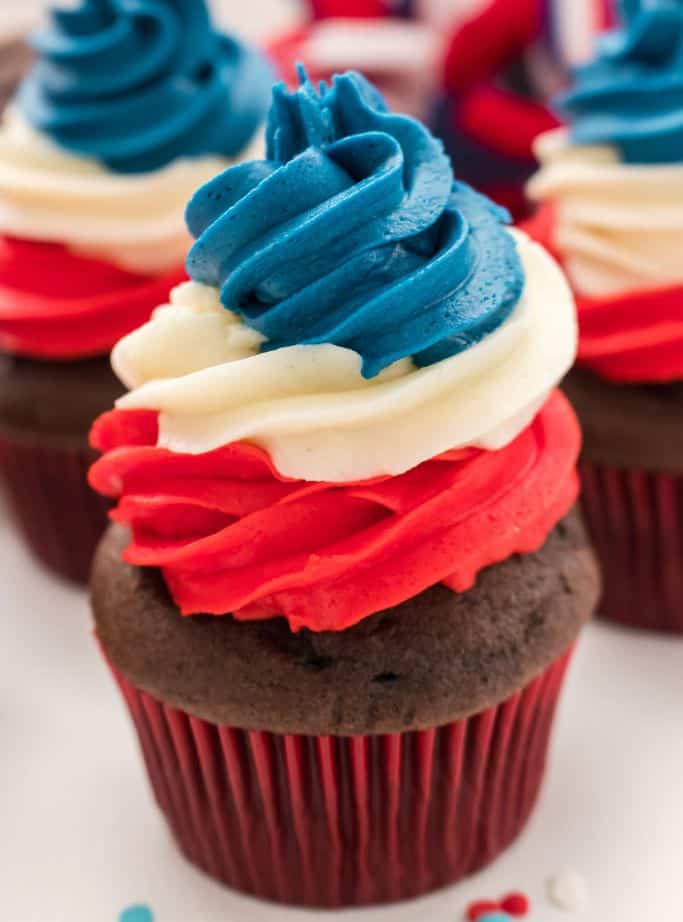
(477, 910)
(515, 904)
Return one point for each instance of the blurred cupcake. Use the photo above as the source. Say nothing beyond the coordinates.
(126, 111)
(396, 45)
(611, 194)
(502, 67)
(351, 576)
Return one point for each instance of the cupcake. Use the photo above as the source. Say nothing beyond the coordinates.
(345, 578)
(502, 67)
(611, 202)
(125, 112)
(393, 44)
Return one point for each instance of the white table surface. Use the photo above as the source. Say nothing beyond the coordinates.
(81, 839)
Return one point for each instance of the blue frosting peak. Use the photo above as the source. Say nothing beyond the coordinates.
(137, 84)
(631, 95)
(354, 232)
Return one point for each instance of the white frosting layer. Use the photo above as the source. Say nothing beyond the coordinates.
(310, 407)
(133, 221)
(379, 46)
(618, 226)
(400, 56)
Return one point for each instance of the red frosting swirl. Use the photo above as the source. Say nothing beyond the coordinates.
(55, 304)
(231, 535)
(635, 337)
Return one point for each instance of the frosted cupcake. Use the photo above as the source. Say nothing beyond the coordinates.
(611, 194)
(126, 111)
(503, 66)
(351, 576)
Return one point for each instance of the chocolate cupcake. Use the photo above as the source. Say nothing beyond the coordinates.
(124, 113)
(345, 579)
(611, 191)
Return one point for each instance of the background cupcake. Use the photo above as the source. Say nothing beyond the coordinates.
(611, 189)
(125, 112)
(352, 578)
(503, 66)
(396, 45)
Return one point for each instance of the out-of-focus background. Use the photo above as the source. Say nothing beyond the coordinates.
(256, 17)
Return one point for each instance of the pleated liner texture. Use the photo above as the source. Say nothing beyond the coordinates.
(635, 519)
(347, 821)
(59, 516)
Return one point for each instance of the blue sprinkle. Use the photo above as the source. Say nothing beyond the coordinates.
(495, 917)
(144, 914)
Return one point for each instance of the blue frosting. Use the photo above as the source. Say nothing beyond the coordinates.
(138, 84)
(353, 232)
(631, 95)
(137, 914)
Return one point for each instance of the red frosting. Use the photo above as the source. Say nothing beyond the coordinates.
(232, 535)
(288, 50)
(55, 304)
(480, 49)
(353, 9)
(636, 337)
(500, 33)
(503, 121)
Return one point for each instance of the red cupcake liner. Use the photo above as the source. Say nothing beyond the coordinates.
(635, 519)
(55, 510)
(347, 821)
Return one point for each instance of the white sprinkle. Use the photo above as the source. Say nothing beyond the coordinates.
(568, 891)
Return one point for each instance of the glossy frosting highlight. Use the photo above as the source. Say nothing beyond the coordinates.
(631, 95)
(139, 85)
(231, 535)
(353, 232)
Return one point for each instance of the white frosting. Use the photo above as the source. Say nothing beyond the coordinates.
(618, 226)
(400, 56)
(310, 407)
(568, 891)
(133, 221)
(382, 46)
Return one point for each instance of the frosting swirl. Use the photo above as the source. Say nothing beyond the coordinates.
(287, 456)
(55, 304)
(627, 333)
(230, 534)
(138, 85)
(618, 225)
(631, 95)
(353, 232)
(133, 221)
(310, 407)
